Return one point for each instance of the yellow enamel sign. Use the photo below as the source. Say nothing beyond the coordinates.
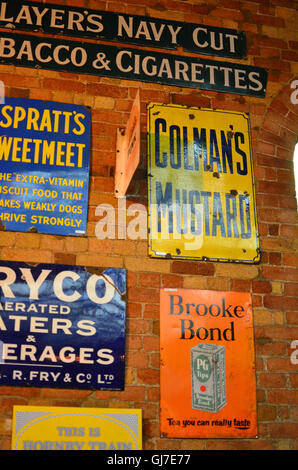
(201, 185)
(59, 428)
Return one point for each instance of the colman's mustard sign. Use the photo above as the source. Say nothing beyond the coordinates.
(201, 185)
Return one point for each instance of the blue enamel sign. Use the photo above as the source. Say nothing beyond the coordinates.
(44, 166)
(62, 326)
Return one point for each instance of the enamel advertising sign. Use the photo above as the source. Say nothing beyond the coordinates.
(128, 149)
(92, 58)
(44, 166)
(201, 185)
(132, 29)
(62, 326)
(60, 428)
(208, 385)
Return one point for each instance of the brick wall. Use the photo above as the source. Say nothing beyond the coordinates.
(269, 26)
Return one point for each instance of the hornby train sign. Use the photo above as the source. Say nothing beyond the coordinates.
(53, 428)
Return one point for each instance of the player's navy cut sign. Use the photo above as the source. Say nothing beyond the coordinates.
(132, 29)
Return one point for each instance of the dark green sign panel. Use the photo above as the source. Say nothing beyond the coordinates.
(131, 64)
(130, 29)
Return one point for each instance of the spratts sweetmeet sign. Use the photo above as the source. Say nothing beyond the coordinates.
(130, 64)
(44, 166)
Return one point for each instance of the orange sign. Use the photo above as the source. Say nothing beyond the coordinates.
(128, 150)
(208, 387)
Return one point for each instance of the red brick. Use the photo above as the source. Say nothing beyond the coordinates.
(192, 100)
(273, 64)
(151, 311)
(281, 332)
(189, 267)
(289, 231)
(293, 45)
(280, 364)
(283, 396)
(274, 188)
(266, 160)
(266, 148)
(241, 445)
(151, 343)
(270, 52)
(290, 55)
(217, 445)
(145, 377)
(64, 85)
(291, 288)
(134, 309)
(171, 280)
(266, 10)
(138, 326)
(65, 258)
(100, 89)
(288, 202)
(286, 274)
(105, 185)
(274, 215)
(138, 294)
(292, 317)
(294, 381)
(273, 229)
(138, 359)
(275, 258)
(270, 380)
(266, 412)
(257, 300)
(290, 259)
(132, 392)
(240, 285)
(280, 302)
(133, 342)
(268, 20)
(227, 13)
(261, 287)
(287, 430)
(270, 348)
(110, 117)
(149, 280)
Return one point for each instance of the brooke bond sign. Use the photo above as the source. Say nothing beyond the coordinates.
(208, 384)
